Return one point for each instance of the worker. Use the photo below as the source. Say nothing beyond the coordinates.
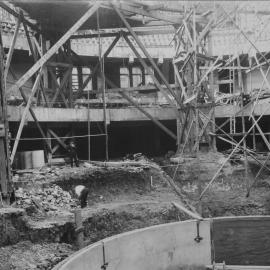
(72, 151)
(82, 194)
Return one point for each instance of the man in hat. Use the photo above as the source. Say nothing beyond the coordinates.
(72, 151)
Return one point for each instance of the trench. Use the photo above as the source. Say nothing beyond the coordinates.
(121, 200)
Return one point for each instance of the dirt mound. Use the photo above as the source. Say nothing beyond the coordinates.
(189, 168)
(49, 199)
(26, 255)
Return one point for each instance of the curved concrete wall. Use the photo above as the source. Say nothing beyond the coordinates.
(235, 240)
(158, 247)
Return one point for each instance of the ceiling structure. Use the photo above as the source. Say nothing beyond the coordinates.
(56, 17)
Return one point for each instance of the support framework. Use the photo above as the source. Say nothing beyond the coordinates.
(193, 100)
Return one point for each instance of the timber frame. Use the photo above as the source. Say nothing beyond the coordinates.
(192, 99)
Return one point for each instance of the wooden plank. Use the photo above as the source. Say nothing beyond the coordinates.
(5, 169)
(17, 15)
(4, 156)
(54, 48)
(179, 79)
(230, 155)
(221, 266)
(28, 37)
(32, 112)
(79, 92)
(211, 69)
(143, 88)
(173, 19)
(145, 66)
(188, 32)
(55, 148)
(258, 93)
(188, 212)
(203, 129)
(61, 142)
(60, 87)
(242, 241)
(58, 64)
(12, 46)
(140, 44)
(157, 122)
(152, 14)
(140, 31)
(24, 115)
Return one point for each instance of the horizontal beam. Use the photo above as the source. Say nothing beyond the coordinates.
(56, 64)
(166, 17)
(146, 88)
(151, 14)
(123, 32)
(67, 115)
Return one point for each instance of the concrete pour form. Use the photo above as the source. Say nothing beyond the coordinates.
(235, 240)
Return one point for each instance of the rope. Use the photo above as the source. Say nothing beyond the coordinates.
(50, 138)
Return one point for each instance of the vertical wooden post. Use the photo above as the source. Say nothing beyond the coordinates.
(212, 87)
(253, 131)
(240, 81)
(5, 172)
(79, 228)
(45, 79)
(88, 125)
(69, 84)
(80, 76)
(101, 61)
(49, 154)
(12, 46)
(197, 140)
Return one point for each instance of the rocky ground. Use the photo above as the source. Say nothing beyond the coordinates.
(26, 255)
(124, 196)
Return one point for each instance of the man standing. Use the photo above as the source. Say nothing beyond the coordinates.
(72, 151)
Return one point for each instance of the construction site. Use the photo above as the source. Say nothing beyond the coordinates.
(134, 135)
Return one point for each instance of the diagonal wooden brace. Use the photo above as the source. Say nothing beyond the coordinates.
(146, 53)
(25, 112)
(54, 48)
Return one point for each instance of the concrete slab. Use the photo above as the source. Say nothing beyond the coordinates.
(96, 115)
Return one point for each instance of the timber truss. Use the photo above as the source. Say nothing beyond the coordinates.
(192, 100)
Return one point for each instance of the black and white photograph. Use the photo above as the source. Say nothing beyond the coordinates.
(134, 135)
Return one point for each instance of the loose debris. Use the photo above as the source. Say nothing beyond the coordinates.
(26, 255)
(46, 199)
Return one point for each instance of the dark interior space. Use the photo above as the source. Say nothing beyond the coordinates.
(259, 145)
(124, 138)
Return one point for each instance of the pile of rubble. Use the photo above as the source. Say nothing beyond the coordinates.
(47, 199)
